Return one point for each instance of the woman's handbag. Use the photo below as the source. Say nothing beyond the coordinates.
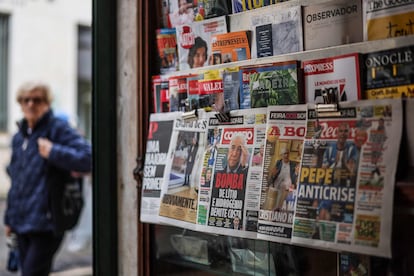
(65, 195)
(65, 198)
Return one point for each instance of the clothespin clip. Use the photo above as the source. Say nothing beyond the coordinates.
(330, 105)
(190, 115)
(223, 116)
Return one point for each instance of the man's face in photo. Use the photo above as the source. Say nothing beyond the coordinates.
(235, 150)
(343, 132)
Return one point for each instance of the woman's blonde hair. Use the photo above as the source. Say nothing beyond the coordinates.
(33, 85)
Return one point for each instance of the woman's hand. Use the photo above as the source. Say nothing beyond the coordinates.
(45, 147)
(7, 230)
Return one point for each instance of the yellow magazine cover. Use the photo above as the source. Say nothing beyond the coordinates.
(386, 19)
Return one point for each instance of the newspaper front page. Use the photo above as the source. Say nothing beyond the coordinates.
(286, 129)
(179, 193)
(158, 142)
(347, 177)
(230, 180)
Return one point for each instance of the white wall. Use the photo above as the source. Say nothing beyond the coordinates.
(43, 46)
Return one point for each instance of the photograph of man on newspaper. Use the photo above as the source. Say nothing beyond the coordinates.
(282, 178)
(342, 156)
(228, 190)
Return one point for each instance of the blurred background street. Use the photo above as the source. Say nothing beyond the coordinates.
(51, 42)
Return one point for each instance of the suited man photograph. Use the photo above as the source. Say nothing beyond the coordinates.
(283, 177)
(192, 152)
(237, 156)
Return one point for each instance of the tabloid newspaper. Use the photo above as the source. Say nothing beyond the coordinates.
(333, 75)
(178, 205)
(158, 142)
(389, 73)
(332, 23)
(229, 47)
(347, 177)
(276, 31)
(230, 180)
(194, 41)
(386, 19)
(286, 128)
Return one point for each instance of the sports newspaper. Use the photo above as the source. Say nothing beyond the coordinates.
(347, 177)
(286, 129)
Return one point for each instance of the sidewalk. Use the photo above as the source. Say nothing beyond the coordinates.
(67, 262)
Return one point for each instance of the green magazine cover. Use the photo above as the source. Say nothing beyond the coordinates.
(279, 86)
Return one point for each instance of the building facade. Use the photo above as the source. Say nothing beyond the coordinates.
(49, 41)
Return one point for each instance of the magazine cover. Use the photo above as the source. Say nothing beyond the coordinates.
(286, 129)
(245, 5)
(277, 31)
(165, 96)
(338, 75)
(193, 92)
(194, 41)
(386, 19)
(185, 11)
(167, 50)
(165, 13)
(160, 94)
(215, 8)
(179, 192)
(347, 177)
(389, 73)
(229, 47)
(156, 93)
(178, 90)
(156, 159)
(279, 86)
(244, 78)
(231, 88)
(231, 176)
(332, 23)
(210, 90)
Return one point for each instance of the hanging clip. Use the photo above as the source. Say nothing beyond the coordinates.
(330, 105)
(190, 115)
(223, 115)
